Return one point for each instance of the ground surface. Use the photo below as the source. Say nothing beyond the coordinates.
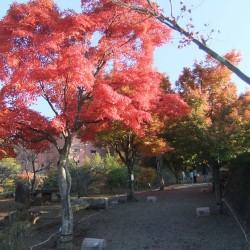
(168, 223)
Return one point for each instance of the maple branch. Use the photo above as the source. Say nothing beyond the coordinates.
(202, 46)
(101, 63)
(45, 96)
(80, 102)
(171, 9)
(150, 4)
(65, 88)
(45, 135)
(100, 66)
(172, 24)
(116, 148)
(93, 121)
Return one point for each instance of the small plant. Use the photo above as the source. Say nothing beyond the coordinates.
(88, 178)
(51, 180)
(146, 176)
(117, 177)
(116, 172)
(16, 237)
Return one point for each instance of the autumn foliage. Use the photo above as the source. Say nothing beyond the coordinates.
(89, 68)
(77, 63)
(217, 129)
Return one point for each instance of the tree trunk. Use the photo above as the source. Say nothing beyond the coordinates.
(217, 187)
(176, 175)
(27, 174)
(159, 162)
(64, 180)
(130, 194)
(78, 181)
(33, 181)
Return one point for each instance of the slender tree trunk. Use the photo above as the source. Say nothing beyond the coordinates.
(65, 186)
(27, 174)
(159, 162)
(130, 194)
(77, 181)
(33, 182)
(174, 171)
(176, 175)
(217, 187)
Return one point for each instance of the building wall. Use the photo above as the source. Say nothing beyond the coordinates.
(49, 158)
(81, 150)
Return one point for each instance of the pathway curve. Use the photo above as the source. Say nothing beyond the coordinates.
(170, 223)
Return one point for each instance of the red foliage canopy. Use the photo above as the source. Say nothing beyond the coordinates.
(90, 68)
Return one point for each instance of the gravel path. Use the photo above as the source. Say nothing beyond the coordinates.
(170, 223)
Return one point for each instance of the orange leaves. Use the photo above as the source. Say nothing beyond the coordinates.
(209, 84)
(6, 152)
(217, 112)
(154, 146)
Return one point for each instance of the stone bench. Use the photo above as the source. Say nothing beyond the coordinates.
(45, 195)
(91, 202)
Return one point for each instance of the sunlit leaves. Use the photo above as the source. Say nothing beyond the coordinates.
(50, 54)
(212, 95)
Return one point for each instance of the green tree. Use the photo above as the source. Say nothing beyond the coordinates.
(126, 144)
(242, 112)
(9, 169)
(210, 134)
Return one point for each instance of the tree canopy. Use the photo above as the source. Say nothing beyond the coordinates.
(216, 130)
(91, 68)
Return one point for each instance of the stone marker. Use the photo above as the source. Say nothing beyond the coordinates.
(152, 198)
(22, 194)
(202, 211)
(93, 244)
(114, 202)
(205, 190)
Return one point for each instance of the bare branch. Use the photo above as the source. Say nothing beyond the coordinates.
(171, 9)
(45, 96)
(172, 24)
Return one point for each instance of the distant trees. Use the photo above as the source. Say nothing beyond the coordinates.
(29, 159)
(209, 90)
(130, 145)
(215, 131)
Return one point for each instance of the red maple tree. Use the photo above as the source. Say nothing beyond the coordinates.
(90, 68)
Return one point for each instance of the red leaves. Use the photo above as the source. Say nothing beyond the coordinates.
(49, 54)
(112, 103)
(171, 106)
(6, 152)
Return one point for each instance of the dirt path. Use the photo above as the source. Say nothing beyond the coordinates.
(169, 223)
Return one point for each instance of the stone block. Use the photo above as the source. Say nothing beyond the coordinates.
(205, 190)
(92, 203)
(152, 198)
(93, 244)
(202, 211)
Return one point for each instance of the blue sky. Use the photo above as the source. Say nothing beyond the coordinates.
(232, 18)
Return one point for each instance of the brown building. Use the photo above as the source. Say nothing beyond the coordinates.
(42, 162)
